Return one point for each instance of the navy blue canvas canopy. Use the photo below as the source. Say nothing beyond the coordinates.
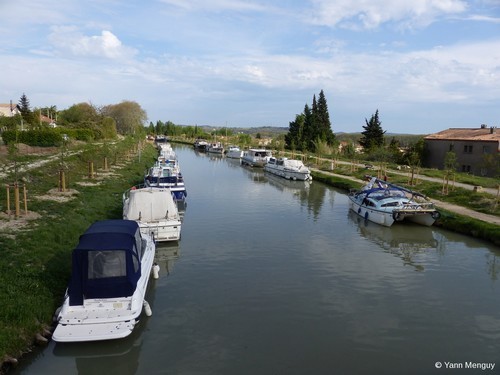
(106, 261)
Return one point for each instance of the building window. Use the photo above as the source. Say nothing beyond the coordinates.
(467, 149)
(486, 149)
(466, 168)
(452, 147)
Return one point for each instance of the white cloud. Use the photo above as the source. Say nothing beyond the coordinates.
(369, 14)
(68, 39)
(215, 5)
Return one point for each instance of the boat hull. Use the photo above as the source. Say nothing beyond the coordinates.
(288, 174)
(162, 230)
(387, 217)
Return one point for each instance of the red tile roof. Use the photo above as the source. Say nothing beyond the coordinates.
(467, 134)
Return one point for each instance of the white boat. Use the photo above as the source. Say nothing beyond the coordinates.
(288, 168)
(234, 152)
(215, 148)
(155, 210)
(200, 144)
(166, 151)
(256, 157)
(384, 204)
(111, 266)
(167, 175)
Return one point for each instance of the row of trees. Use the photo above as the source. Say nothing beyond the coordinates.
(311, 132)
(107, 121)
(311, 128)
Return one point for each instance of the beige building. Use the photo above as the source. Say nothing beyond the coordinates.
(9, 110)
(476, 149)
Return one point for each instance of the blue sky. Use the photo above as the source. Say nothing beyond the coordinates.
(426, 65)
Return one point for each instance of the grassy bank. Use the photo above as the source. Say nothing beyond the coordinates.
(36, 248)
(448, 220)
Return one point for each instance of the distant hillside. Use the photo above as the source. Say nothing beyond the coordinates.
(265, 131)
(272, 131)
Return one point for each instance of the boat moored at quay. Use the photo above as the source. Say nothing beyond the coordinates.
(111, 267)
(234, 152)
(256, 157)
(384, 204)
(289, 169)
(155, 210)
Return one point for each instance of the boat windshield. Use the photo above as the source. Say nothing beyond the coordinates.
(106, 263)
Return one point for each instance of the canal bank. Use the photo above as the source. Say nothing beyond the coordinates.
(453, 217)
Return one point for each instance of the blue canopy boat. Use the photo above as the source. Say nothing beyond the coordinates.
(111, 266)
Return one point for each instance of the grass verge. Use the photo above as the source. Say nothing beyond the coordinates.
(35, 262)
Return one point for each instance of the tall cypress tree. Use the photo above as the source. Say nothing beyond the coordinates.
(293, 138)
(314, 125)
(324, 125)
(373, 134)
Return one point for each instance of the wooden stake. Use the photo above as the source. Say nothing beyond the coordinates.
(16, 200)
(8, 200)
(25, 200)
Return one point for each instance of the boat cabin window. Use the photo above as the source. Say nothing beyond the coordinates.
(391, 204)
(106, 263)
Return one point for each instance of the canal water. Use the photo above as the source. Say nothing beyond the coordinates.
(278, 277)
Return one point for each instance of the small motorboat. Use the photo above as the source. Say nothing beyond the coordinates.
(111, 266)
(384, 204)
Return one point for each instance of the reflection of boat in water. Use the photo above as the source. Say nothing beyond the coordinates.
(288, 185)
(121, 356)
(166, 255)
(406, 242)
(256, 175)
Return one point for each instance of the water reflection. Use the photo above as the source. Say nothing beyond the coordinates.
(91, 357)
(407, 241)
(166, 255)
(255, 174)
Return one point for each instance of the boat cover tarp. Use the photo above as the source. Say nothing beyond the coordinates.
(150, 204)
(106, 261)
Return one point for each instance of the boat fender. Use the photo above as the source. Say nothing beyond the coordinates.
(396, 216)
(366, 215)
(359, 211)
(436, 215)
(55, 318)
(156, 270)
(133, 188)
(147, 308)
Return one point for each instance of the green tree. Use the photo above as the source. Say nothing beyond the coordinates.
(373, 134)
(79, 114)
(312, 127)
(450, 162)
(24, 105)
(25, 109)
(322, 121)
(293, 138)
(128, 115)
